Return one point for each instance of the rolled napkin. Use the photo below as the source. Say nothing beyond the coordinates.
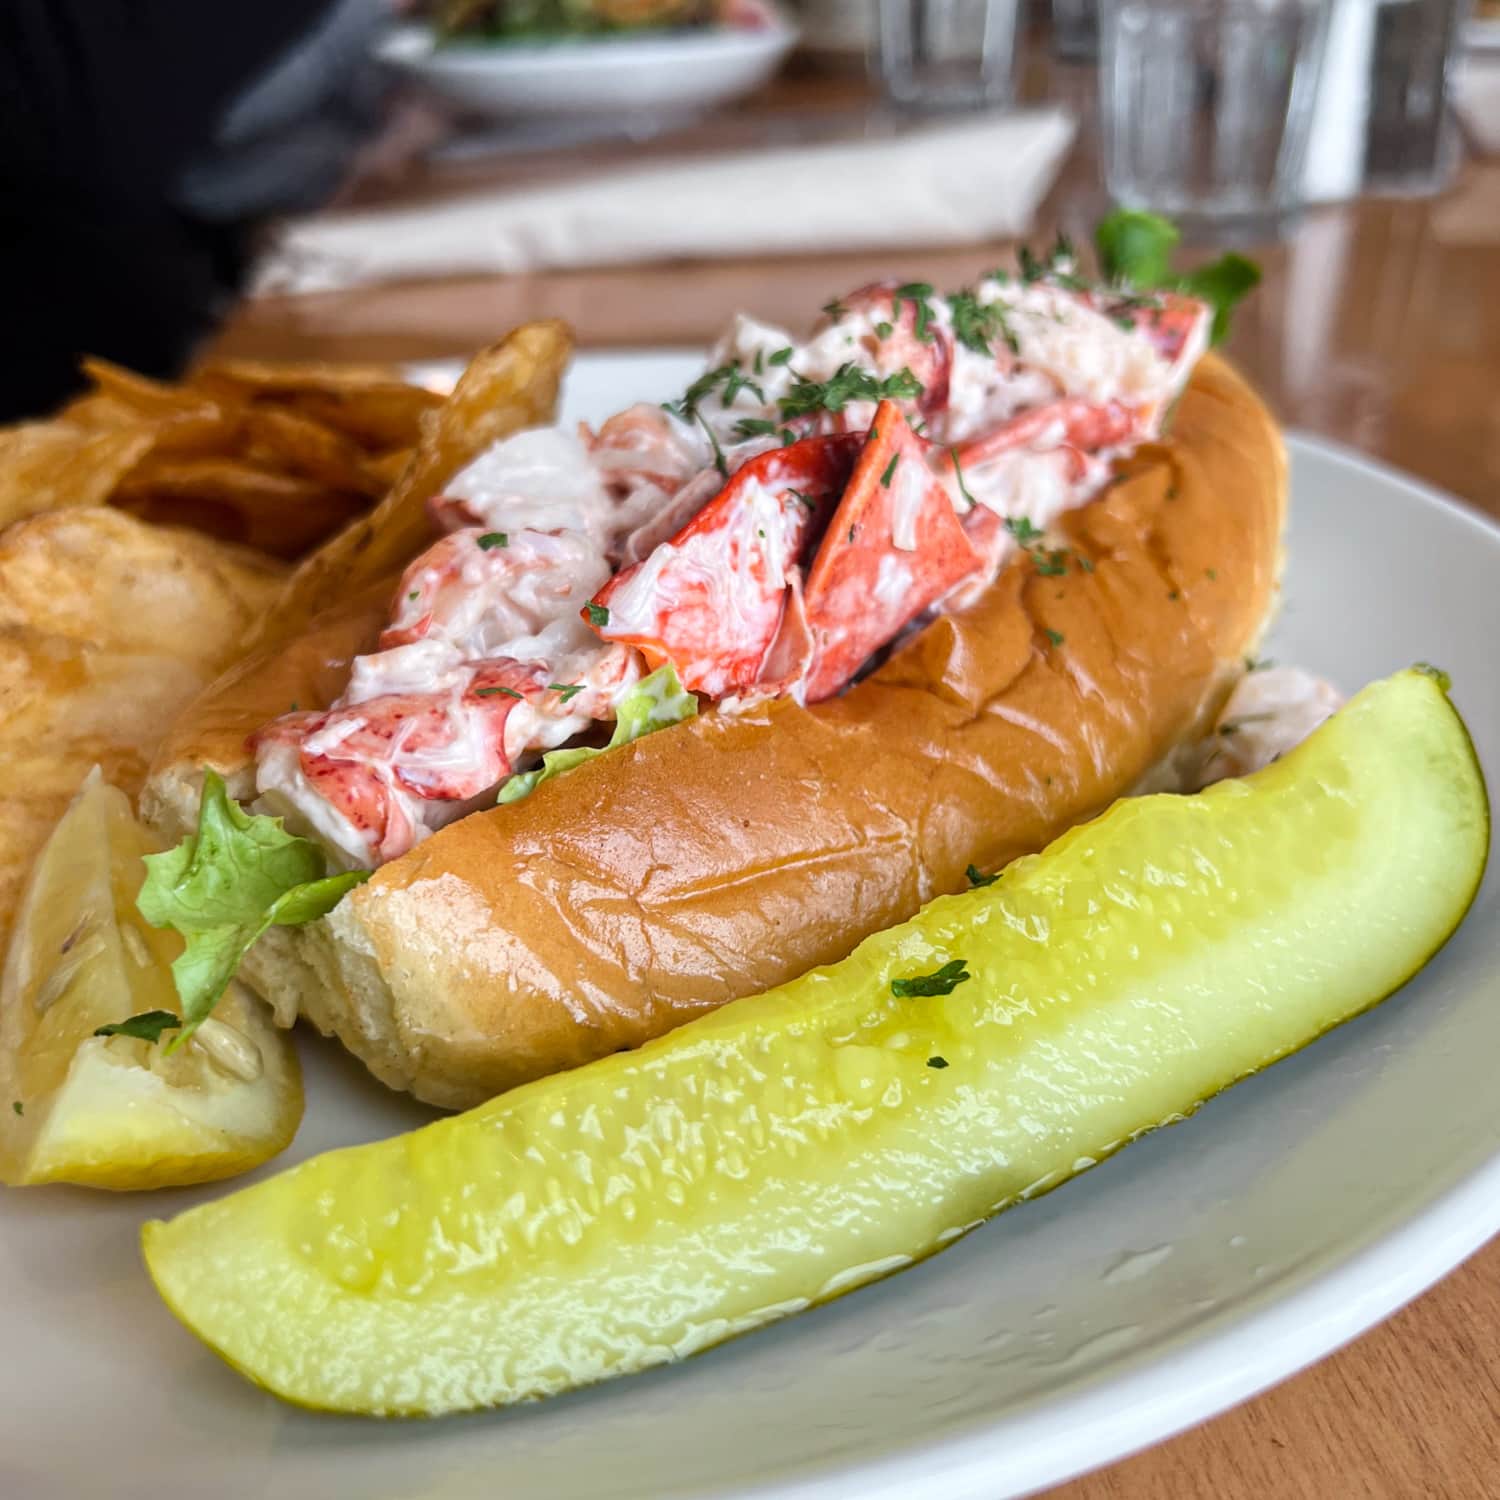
(942, 185)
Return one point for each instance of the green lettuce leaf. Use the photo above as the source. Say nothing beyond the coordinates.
(1223, 284)
(1135, 249)
(655, 702)
(223, 886)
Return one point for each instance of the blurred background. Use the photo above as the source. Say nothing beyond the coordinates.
(374, 180)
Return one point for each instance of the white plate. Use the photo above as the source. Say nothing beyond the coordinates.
(655, 74)
(1197, 1267)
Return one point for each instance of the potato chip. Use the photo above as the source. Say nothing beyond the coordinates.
(283, 514)
(369, 403)
(512, 384)
(279, 457)
(46, 465)
(280, 435)
(142, 394)
(100, 577)
(379, 417)
(108, 628)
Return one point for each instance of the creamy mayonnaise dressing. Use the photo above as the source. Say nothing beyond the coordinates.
(486, 661)
(1271, 710)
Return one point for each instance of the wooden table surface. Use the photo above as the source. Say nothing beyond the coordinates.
(1378, 324)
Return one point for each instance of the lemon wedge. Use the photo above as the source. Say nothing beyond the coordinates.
(117, 1111)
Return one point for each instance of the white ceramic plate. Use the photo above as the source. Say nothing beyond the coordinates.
(652, 74)
(1197, 1267)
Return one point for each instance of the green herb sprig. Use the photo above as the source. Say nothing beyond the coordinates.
(941, 981)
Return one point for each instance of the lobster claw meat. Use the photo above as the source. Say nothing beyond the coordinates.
(1068, 423)
(893, 547)
(711, 599)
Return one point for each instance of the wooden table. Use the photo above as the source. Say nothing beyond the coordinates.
(1378, 324)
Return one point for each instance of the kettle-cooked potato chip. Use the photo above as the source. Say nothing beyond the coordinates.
(46, 465)
(108, 627)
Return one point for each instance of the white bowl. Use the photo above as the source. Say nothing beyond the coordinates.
(646, 73)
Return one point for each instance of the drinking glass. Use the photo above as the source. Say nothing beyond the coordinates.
(947, 54)
(1204, 104)
(1382, 121)
(1412, 145)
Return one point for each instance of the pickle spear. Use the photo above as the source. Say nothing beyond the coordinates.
(796, 1144)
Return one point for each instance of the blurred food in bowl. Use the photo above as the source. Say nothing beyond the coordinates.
(637, 61)
(458, 21)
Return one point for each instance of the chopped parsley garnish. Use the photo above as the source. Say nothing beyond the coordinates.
(1056, 266)
(890, 469)
(1022, 529)
(505, 692)
(17, 1106)
(976, 324)
(752, 427)
(1052, 563)
(1055, 636)
(937, 1062)
(781, 356)
(598, 615)
(835, 309)
(847, 383)
(1174, 595)
(415, 594)
(699, 391)
(736, 382)
(807, 500)
(977, 877)
(760, 361)
(940, 982)
(146, 1027)
(917, 293)
(565, 690)
(1258, 663)
(713, 442)
(958, 474)
(851, 536)
(883, 330)
(1212, 574)
(1086, 563)
(491, 540)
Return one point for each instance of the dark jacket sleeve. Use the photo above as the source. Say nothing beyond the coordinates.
(103, 103)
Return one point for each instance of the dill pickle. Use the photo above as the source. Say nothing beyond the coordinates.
(791, 1146)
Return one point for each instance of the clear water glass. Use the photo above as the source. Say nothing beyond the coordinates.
(1205, 104)
(947, 54)
(1412, 145)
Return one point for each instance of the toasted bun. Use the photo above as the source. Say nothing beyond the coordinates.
(729, 853)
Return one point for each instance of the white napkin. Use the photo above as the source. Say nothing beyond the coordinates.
(944, 185)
